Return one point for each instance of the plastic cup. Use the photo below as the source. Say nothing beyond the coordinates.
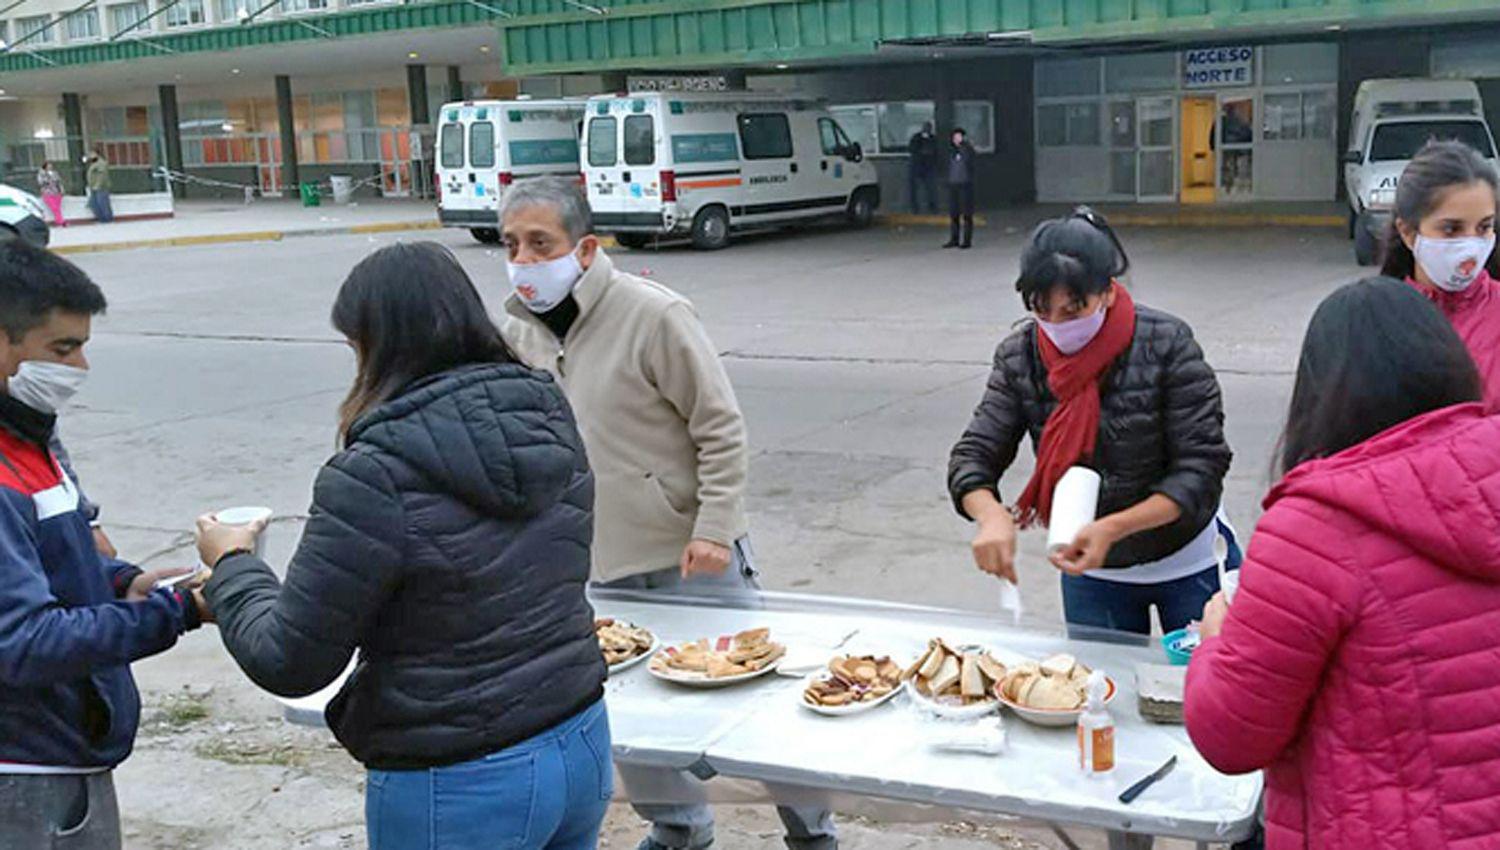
(247, 515)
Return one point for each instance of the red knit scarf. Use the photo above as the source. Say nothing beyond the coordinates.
(1073, 428)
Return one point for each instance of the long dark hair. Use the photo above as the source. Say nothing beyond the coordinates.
(1437, 168)
(1080, 253)
(411, 311)
(1375, 355)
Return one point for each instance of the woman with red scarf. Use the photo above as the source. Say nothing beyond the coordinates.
(1442, 242)
(1099, 381)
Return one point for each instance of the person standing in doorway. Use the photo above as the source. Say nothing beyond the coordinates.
(922, 176)
(960, 190)
(664, 434)
(50, 184)
(98, 180)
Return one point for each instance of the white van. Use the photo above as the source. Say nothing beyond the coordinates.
(1392, 120)
(483, 146)
(704, 165)
(22, 216)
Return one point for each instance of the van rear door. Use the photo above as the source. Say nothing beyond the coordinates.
(624, 182)
(467, 160)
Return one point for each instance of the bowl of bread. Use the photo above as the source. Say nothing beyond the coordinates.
(1050, 692)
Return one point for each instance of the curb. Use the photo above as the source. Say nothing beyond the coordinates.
(1308, 220)
(915, 220)
(246, 236)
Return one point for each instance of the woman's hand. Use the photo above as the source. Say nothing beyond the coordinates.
(995, 543)
(215, 538)
(1088, 550)
(1214, 614)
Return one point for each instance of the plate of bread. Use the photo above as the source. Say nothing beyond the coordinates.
(624, 644)
(955, 682)
(1050, 692)
(852, 684)
(719, 662)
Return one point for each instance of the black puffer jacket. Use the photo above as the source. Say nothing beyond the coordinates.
(449, 544)
(1161, 430)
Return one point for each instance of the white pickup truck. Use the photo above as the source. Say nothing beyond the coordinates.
(1392, 120)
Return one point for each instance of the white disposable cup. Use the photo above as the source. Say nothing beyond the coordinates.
(1075, 501)
(247, 515)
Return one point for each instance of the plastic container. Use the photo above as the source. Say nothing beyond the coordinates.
(343, 188)
(310, 195)
(1179, 646)
(1096, 729)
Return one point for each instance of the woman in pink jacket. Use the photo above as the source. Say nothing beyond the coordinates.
(1359, 664)
(1442, 241)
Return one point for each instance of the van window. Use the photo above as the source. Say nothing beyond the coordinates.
(604, 148)
(1395, 142)
(640, 140)
(482, 144)
(829, 133)
(766, 136)
(452, 145)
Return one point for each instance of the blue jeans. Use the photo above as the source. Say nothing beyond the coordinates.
(550, 791)
(1112, 606)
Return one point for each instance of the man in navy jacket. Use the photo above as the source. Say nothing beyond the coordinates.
(71, 620)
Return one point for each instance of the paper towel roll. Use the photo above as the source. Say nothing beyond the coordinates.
(1074, 504)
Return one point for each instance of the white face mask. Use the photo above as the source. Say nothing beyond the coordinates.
(542, 286)
(45, 386)
(1454, 264)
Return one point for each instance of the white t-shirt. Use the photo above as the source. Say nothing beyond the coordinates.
(1191, 559)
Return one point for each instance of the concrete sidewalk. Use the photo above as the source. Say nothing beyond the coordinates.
(211, 222)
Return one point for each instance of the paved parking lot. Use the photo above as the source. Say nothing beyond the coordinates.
(857, 356)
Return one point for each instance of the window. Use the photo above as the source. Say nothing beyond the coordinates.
(1068, 125)
(229, 10)
(835, 142)
(34, 30)
(1394, 142)
(83, 25)
(766, 136)
(1290, 116)
(303, 5)
(187, 13)
(900, 121)
(859, 121)
(1318, 114)
(482, 144)
(5, 31)
(451, 146)
(1303, 63)
(126, 16)
(1067, 77)
(1140, 72)
(640, 140)
(604, 145)
(977, 117)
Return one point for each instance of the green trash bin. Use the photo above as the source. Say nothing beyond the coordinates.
(310, 196)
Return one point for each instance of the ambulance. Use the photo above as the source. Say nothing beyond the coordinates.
(484, 146)
(23, 217)
(704, 165)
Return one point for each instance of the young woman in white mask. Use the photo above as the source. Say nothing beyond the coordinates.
(1442, 241)
(1098, 381)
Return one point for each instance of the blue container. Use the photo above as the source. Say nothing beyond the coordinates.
(1179, 646)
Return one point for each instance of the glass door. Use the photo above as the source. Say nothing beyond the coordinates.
(1236, 136)
(1122, 149)
(1156, 150)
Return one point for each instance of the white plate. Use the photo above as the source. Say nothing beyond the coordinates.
(841, 710)
(1055, 716)
(701, 680)
(631, 662)
(951, 712)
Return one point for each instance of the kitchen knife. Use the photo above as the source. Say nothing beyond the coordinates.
(1140, 787)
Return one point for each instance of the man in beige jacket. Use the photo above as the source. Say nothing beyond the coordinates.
(664, 434)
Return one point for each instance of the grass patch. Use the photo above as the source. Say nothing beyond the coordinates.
(249, 752)
(180, 711)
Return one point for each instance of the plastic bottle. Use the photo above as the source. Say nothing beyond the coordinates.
(1096, 730)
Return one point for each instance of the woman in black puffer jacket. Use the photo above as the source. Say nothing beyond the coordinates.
(448, 544)
(1096, 381)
